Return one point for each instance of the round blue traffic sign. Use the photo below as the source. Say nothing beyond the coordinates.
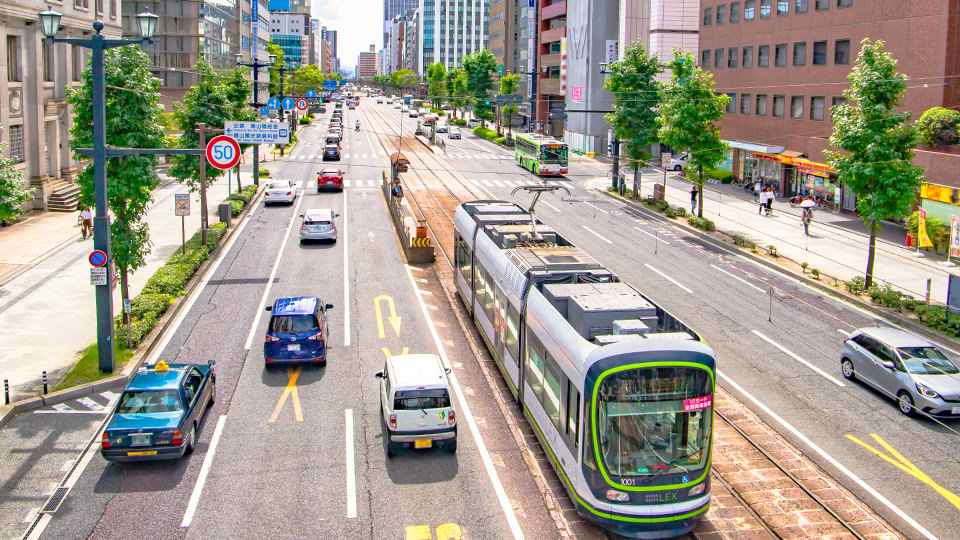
(264, 111)
(311, 93)
(287, 103)
(273, 103)
(98, 258)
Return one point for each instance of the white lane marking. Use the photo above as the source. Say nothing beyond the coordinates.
(346, 274)
(90, 404)
(596, 207)
(309, 185)
(109, 396)
(351, 480)
(31, 515)
(554, 208)
(371, 183)
(595, 233)
(498, 183)
(833, 461)
(668, 278)
(487, 183)
(273, 274)
(204, 470)
(505, 504)
(652, 236)
(62, 407)
(738, 278)
(346, 183)
(796, 357)
(842, 331)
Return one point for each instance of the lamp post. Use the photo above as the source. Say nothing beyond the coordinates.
(618, 184)
(256, 65)
(147, 25)
(283, 70)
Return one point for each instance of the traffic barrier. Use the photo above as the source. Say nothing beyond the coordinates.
(419, 242)
(417, 247)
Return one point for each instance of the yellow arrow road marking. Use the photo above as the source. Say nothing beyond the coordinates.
(906, 466)
(386, 351)
(449, 531)
(289, 391)
(393, 319)
(419, 532)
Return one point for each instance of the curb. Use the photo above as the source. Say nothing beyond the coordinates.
(426, 141)
(7, 412)
(839, 293)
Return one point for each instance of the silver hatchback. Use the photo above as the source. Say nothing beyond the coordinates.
(318, 224)
(905, 367)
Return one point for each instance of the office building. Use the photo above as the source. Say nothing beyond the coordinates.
(291, 32)
(401, 46)
(392, 8)
(367, 63)
(551, 26)
(330, 36)
(452, 29)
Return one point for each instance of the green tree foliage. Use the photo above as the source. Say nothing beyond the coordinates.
(237, 89)
(273, 48)
(636, 93)
(334, 77)
(875, 142)
(509, 85)
(309, 77)
(133, 121)
(13, 192)
(402, 78)
(479, 67)
(436, 76)
(207, 102)
(939, 126)
(688, 115)
(457, 86)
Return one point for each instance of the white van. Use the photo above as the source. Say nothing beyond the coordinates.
(416, 404)
(473, 122)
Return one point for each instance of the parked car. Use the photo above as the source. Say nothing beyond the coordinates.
(446, 107)
(473, 122)
(297, 331)
(413, 113)
(904, 367)
(416, 404)
(331, 152)
(397, 106)
(330, 178)
(454, 133)
(379, 100)
(318, 224)
(159, 412)
(280, 191)
(678, 163)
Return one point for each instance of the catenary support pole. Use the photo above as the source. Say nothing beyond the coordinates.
(106, 358)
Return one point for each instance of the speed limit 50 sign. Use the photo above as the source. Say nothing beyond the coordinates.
(223, 152)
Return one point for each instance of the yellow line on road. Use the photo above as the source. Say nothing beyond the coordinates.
(289, 391)
(386, 351)
(902, 463)
(447, 531)
(393, 319)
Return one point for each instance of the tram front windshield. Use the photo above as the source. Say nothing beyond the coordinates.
(654, 421)
(553, 153)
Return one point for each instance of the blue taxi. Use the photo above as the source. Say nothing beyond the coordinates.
(297, 331)
(159, 412)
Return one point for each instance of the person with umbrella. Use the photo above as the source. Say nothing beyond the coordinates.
(807, 215)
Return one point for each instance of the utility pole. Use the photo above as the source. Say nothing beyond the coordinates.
(617, 184)
(256, 65)
(203, 130)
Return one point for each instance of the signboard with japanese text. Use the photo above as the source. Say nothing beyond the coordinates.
(257, 132)
(955, 237)
(576, 93)
(613, 51)
(98, 275)
(181, 204)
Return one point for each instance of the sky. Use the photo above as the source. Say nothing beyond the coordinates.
(357, 23)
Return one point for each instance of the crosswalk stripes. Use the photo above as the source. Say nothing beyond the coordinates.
(309, 185)
(84, 405)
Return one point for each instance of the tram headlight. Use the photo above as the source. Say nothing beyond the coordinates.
(617, 496)
(697, 490)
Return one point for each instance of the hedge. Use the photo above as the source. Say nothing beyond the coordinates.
(458, 122)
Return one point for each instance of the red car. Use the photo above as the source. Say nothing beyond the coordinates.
(330, 179)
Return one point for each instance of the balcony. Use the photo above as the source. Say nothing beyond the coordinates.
(550, 60)
(554, 34)
(557, 9)
(549, 86)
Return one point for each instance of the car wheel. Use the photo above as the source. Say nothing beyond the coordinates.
(192, 441)
(678, 168)
(905, 402)
(213, 392)
(452, 447)
(846, 367)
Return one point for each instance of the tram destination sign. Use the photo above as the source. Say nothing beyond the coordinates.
(257, 132)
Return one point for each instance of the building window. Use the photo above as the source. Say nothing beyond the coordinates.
(821, 5)
(816, 107)
(763, 56)
(800, 53)
(77, 61)
(765, 9)
(99, 5)
(13, 58)
(734, 12)
(246, 43)
(721, 13)
(47, 61)
(747, 57)
(744, 103)
(732, 104)
(84, 4)
(844, 3)
(748, 10)
(783, 7)
(16, 144)
(707, 16)
(705, 58)
(819, 53)
(761, 104)
(835, 101)
(778, 103)
(841, 51)
(780, 55)
(718, 58)
(800, 6)
(796, 107)
(732, 57)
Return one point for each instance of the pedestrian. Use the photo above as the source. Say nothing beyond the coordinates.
(770, 197)
(397, 191)
(757, 187)
(762, 199)
(693, 199)
(806, 217)
(86, 222)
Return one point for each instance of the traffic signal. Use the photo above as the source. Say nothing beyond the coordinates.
(487, 102)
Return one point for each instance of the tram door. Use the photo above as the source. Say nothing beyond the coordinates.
(500, 324)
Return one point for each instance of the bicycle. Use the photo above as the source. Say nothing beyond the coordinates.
(737, 182)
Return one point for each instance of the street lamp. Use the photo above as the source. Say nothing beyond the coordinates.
(282, 70)
(618, 184)
(604, 68)
(256, 65)
(147, 25)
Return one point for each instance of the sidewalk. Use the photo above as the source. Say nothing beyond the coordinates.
(837, 245)
(47, 304)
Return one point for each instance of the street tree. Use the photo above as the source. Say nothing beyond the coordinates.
(436, 76)
(309, 77)
(636, 94)
(459, 94)
(875, 143)
(509, 85)
(13, 192)
(689, 112)
(334, 77)
(274, 86)
(133, 121)
(237, 89)
(403, 78)
(479, 68)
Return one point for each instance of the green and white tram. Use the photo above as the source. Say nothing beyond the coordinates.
(540, 154)
(619, 392)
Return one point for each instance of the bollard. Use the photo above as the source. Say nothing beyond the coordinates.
(929, 280)
(44, 382)
(6, 392)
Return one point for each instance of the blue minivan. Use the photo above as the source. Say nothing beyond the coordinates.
(297, 331)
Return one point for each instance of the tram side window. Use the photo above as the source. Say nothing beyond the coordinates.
(463, 258)
(480, 287)
(488, 298)
(513, 338)
(573, 412)
(551, 391)
(535, 356)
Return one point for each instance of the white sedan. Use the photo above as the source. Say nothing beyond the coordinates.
(280, 191)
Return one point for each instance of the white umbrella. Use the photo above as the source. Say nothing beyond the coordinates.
(807, 203)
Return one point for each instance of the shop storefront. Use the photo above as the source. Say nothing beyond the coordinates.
(767, 168)
(816, 180)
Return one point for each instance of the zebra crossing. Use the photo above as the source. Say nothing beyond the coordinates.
(368, 155)
(482, 156)
(502, 183)
(84, 405)
(350, 183)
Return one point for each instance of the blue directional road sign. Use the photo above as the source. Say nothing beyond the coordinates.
(311, 93)
(264, 111)
(330, 85)
(287, 103)
(273, 104)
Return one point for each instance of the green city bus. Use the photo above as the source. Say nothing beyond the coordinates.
(540, 154)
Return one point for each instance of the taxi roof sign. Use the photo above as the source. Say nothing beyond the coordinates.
(161, 366)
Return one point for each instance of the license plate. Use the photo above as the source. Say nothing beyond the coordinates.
(422, 443)
(294, 347)
(143, 453)
(139, 440)
(956, 410)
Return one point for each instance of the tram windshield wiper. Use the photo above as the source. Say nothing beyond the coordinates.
(671, 464)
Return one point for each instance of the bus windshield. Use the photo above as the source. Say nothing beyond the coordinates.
(654, 420)
(553, 153)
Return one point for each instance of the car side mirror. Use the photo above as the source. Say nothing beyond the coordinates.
(328, 306)
(269, 308)
(889, 365)
(301, 215)
(211, 362)
(447, 370)
(336, 215)
(379, 375)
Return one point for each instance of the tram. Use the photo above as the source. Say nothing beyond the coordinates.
(619, 392)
